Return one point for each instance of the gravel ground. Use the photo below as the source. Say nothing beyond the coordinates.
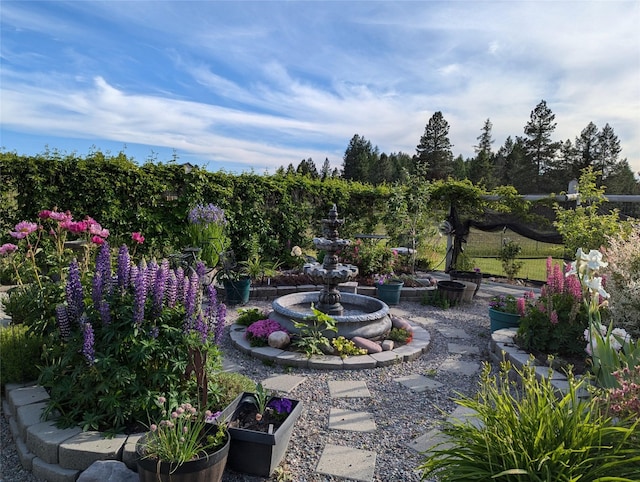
(400, 414)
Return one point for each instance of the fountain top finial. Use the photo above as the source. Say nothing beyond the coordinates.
(332, 223)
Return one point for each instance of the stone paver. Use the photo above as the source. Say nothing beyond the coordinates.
(418, 383)
(460, 367)
(463, 349)
(348, 389)
(342, 419)
(424, 443)
(450, 332)
(347, 462)
(283, 383)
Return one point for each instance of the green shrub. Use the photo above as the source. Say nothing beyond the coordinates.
(529, 432)
(224, 387)
(20, 355)
(247, 316)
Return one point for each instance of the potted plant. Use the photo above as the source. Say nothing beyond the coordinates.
(235, 279)
(505, 311)
(388, 289)
(185, 445)
(474, 276)
(260, 425)
(206, 231)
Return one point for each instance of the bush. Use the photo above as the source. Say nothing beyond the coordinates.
(370, 257)
(529, 432)
(623, 280)
(20, 355)
(247, 316)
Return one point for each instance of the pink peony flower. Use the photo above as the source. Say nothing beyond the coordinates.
(137, 237)
(23, 229)
(7, 248)
(97, 240)
(46, 214)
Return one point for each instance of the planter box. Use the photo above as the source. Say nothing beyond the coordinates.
(500, 320)
(258, 453)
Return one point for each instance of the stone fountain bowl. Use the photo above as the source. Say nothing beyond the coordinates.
(364, 316)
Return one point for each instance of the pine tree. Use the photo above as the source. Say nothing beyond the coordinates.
(608, 151)
(540, 149)
(433, 154)
(325, 171)
(359, 159)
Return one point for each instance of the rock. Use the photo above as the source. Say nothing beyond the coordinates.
(279, 339)
(387, 345)
(398, 322)
(108, 471)
(370, 346)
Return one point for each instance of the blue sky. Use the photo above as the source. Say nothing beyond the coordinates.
(246, 86)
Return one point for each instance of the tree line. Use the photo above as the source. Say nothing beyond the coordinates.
(532, 163)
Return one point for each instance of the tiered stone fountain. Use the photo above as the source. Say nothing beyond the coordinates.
(355, 315)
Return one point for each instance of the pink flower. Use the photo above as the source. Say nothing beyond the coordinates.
(77, 227)
(153, 427)
(60, 217)
(521, 304)
(23, 229)
(137, 237)
(7, 249)
(161, 400)
(553, 317)
(97, 240)
(46, 214)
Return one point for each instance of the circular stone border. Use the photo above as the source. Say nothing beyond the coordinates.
(420, 344)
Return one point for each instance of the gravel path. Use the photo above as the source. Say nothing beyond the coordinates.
(400, 414)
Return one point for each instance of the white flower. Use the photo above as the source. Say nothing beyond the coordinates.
(622, 335)
(595, 286)
(594, 260)
(296, 251)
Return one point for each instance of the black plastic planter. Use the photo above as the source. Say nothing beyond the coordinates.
(258, 453)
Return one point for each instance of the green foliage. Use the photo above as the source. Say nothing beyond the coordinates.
(370, 256)
(435, 298)
(584, 227)
(20, 354)
(35, 307)
(260, 398)
(400, 335)
(508, 254)
(247, 316)
(345, 348)
(311, 339)
(528, 431)
(224, 387)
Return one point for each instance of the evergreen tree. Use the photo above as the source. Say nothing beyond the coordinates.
(484, 139)
(325, 171)
(587, 148)
(460, 168)
(290, 169)
(540, 149)
(307, 168)
(433, 154)
(608, 151)
(359, 159)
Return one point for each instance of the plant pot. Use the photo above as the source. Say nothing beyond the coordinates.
(451, 290)
(390, 292)
(258, 453)
(471, 276)
(469, 290)
(237, 291)
(500, 320)
(204, 469)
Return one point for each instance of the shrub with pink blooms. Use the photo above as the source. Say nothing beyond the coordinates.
(258, 333)
(554, 322)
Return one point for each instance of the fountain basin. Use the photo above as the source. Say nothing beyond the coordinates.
(363, 316)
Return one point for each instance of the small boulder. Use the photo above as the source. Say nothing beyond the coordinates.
(279, 339)
(387, 345)
(108, 471)
(370, 346)
(398, 322)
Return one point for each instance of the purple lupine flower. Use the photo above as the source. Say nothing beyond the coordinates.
(191, 295)
(180, 279)
(88, 349)
(172, 289)
(150, 273)
(96, 293)
(105, 312)
(201, 269)
(200, 327)
(133, 275)
(124, 267)
(103, 261)
(220, 322)
(159, 288)
(64, 324)
(73, 291)
(140, 297)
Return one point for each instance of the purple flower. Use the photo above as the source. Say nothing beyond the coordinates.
(73, 291)
(124, 267)
(172, 289)
(150, 273)
(88, 350)
(201, 269)
(209, 214)
(140, 297)
(96, 293)
(159, 288)
(282, 406)
(191, 295)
